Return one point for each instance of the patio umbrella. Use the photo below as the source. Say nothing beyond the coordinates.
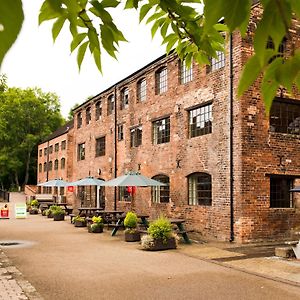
(54, 183)
(295, 189)
(88, 181)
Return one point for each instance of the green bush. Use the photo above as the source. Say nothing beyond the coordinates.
(57, 211)
(97, 222)
(160, 228)
(34, 203)
(130, 220)
(78, 219)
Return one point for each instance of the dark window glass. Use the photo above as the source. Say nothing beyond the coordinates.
(56, 147)
(100, 146)
(280, 195)
(98, 110)
(40, 168)
(161, 131)
(40, 152)
(200, 120)
(63, 145)
(200, 189)
(217, 62)
(142, 90)
(124, 195)
(45, 151)
(88, 115)
(124, 98)
(51, 149)
(161, 194)
(120, 132)
(186, 74)
(62, 163)
(285, 117)
(81, 151)
(161, 80)
(56, 164)
(136, 136)
(45, 167)
(110, 104)
(50, 165)
(79, 120)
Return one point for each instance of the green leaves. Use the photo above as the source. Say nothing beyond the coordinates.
(11, 20)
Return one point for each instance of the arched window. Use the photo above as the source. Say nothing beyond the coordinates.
(45, 166)
(40, 168)
(161, 194)
(161, 80)
(200, 189)
(142, 90)
(50, 165)
(98, 111)
(110, 104)
(62, 163)
(124, 98)
(88, 115)
(79, 120)
(56, 164)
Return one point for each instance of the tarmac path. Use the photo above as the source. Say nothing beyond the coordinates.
(63, 262)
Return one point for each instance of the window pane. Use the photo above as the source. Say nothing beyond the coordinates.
(186, 74)
(161, 81)
(100, 146)
(200, 190)
(280, 195)
(200, 121)
(218, 62)
(124, 98)
(142, 90)
(161, 194)
(161, 131)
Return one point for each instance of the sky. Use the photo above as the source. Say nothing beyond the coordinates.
(35, 61)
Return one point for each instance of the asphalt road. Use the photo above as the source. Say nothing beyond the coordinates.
(64, 262)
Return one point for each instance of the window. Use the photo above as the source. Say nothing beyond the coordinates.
(40, 168)
(63, 145)
(81, 151)
(45, 166)
(120, 132)
(142, 90)
(136, 136)
(110, 104)
(199, 189)
(186, 74)
(50, 166)
(161, 131)
(200, 120)
(281, 48)
(79, 120)
(98, 110)
(88, 116)
(280, 195)
(40, 152)
(56, 147)
(124, 194)
(161, 81)
(161, 194)
(100, 146)
(285, 116)
(217, 62)
(63, 163)
(45, 151)
(51, 149)
(56, 164)
(124, 98)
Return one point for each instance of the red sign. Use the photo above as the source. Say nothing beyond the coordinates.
(71, 189)
(4, 213)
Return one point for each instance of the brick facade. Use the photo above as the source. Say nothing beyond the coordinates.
(256, 150)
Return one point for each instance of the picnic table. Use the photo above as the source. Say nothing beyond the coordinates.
(89, 211)
(179, 223)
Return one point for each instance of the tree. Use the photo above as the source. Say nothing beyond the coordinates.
(193, 27)
(27, 117)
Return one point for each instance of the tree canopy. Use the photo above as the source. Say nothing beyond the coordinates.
(27, 117)
(194, 28)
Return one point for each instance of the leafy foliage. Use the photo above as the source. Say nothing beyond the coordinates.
(161, 228)
(194, 28)
(130, 220)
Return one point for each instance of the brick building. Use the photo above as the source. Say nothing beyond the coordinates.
(228, 166)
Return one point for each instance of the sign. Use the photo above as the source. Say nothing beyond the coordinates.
(71, 189)
(20, 211)
(4, 212)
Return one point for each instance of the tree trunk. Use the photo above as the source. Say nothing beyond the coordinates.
(17, 179)
(27, 168)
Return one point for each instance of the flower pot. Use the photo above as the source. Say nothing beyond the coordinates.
(50, 215)
(59, 217)
(159, 244)
(133, 236)
(33, 211)
(95, 229)
(80, 224)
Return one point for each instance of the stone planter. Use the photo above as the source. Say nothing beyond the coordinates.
(80, 224)
(160, 245)
(95, 229)
(33, 211)
(59, 217)
(134, 236)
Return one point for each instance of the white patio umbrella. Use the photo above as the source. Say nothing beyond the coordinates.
(54, 183)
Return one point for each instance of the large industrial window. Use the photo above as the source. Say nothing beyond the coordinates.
(79, 120)
(161, 81)
(63, 145)
(88, 115)
(124, 98)
(81, 151)
(280, 195)
(100, 146)
(40, 152)
(56, 164)
(161, 131)
(63, 163)
(51, 149)
(40, 168)
(200, 189)
(50, 166)
(98, 113)
(161, 194)
(124, 194)
(110, 104)
(285, 116)
(120, 132)
(186, 74)
(136, 136)
(45, 166)
(200, 120)
(141, 90)
(217, 62)
(56, 147)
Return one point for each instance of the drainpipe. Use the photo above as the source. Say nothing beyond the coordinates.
(231, 138)
(47, 166)
(115, 146)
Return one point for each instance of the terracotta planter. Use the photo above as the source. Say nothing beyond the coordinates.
(96, 229)
(59, 217)
(132, 236)
(80, 224)
(160, 245)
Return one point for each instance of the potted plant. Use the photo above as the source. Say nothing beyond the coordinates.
(96, 226)
(131, 232)
(79, 221)
(58, 214)
(160, 236)
(34, 204)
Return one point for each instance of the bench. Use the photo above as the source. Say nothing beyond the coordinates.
(71, 217)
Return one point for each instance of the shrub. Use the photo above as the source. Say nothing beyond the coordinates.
(130, 220)
(58, 211)
(78, 219)
(34, 203)
(97, 220)
(161, 228)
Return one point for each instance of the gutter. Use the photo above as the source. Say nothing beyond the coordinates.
(115, 145)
